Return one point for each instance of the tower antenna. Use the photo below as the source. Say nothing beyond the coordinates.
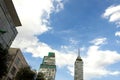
(78, 52)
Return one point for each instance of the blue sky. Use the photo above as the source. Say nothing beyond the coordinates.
(63, 26)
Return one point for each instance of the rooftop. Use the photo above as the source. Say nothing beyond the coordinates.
(51, 54)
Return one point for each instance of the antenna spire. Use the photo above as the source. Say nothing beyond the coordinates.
(78, 52)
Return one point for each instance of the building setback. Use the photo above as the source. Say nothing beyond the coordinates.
(48, 67)
(8, 22)
(16, 62)
(78, 68)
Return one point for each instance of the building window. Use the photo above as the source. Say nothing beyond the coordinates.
(53, 70)
(17, 61)
(13, 70)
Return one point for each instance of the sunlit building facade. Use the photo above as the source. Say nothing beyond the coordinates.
(48, 67)
(15, 62)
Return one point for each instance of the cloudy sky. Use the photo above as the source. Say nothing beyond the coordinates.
(63, 26)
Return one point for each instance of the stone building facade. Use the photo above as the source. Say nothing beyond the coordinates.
(16, 62)
(78, 68)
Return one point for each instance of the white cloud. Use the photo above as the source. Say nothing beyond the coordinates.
(115, 73)
(65, 59)
(113, 14)
(117, 33)
(73, 41)
(31, 16)
(71, 70)
(97, 61)
(115, 17)
(111, 10)
(34, 16)
(59, 6)
(101, 58)
(98, 41)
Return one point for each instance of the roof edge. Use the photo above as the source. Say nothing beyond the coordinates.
(11, 9)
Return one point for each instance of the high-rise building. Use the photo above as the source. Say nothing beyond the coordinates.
(48, 67)
(8, 22)
(78, 68)
(16, 62)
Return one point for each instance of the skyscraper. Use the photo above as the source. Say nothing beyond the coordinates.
(78, 69)
(48, 67)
